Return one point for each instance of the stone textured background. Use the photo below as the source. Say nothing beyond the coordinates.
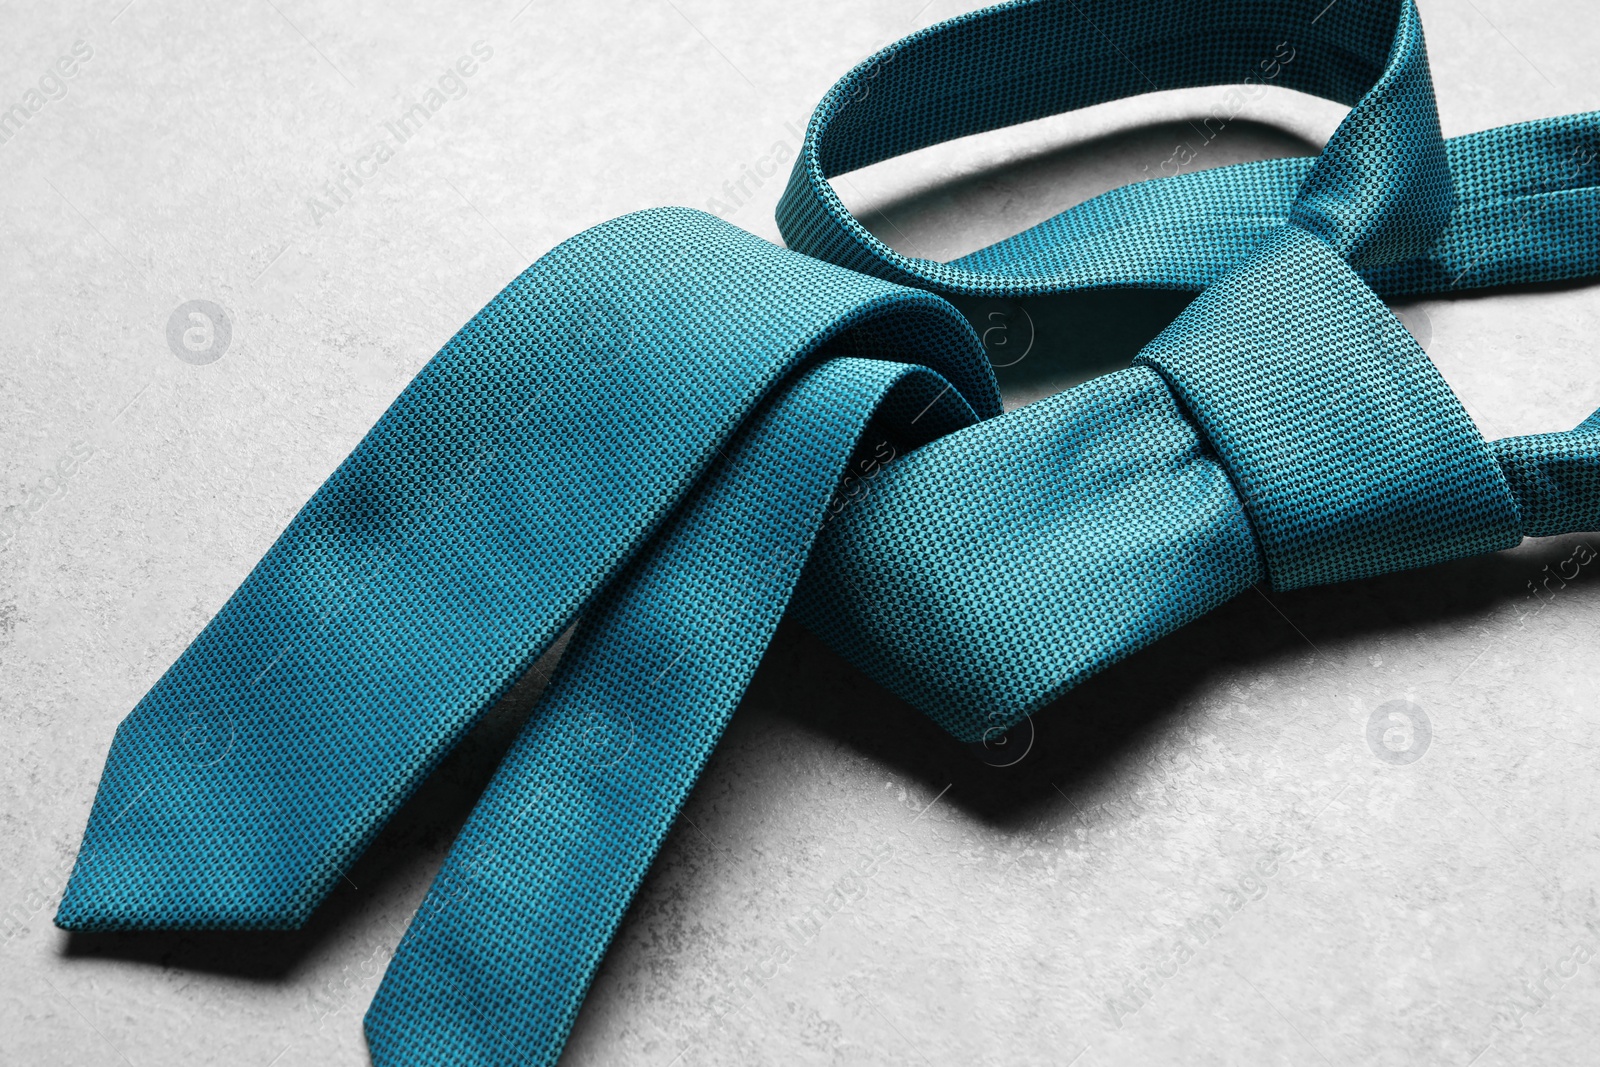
(1362, 910)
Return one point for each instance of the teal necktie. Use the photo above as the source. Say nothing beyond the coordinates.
(654, 432)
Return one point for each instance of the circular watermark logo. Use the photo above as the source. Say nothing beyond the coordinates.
(1399, 732)
(1005, 748)
(1007, 332)
(203, 738)
(476, 858)
(620, 326)
(607, 736)
(1415, 318)
(198, 332)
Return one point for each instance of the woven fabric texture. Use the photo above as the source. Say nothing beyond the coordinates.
(503, 489)
(565, 832)
(1352, 459)
(651, 431)
(1511, 205)
(1261, 435)
(1555, 478)
(992, 570)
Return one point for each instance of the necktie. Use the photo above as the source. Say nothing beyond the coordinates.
(648, 429)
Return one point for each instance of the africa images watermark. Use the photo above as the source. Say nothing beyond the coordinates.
(1553, 579)
(797, 934)
(450, 85)
(52, 86)
(199, 332)
(1399, 732)
(801, 930)
(1139, 986)
(753, 175)
(738, 192)
(47, 487)
(1233, 102)
(1520, 1004)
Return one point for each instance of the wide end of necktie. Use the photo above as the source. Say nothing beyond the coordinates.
(523, 467)
(159, 852)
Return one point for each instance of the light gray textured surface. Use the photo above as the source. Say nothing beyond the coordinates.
(847, 886)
